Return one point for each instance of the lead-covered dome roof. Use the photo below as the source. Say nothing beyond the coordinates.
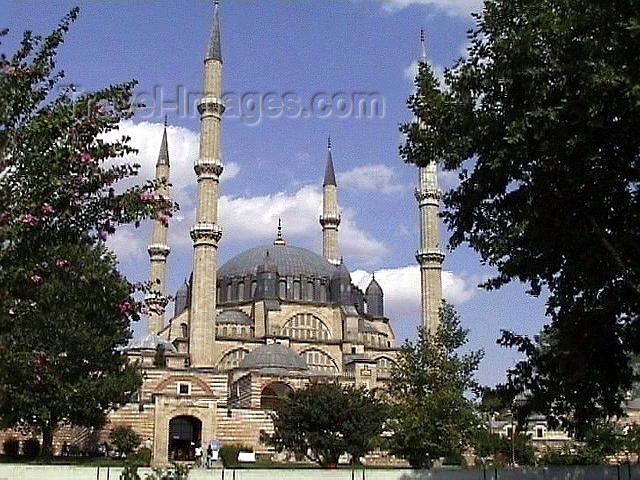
(288, 260)
(273, 356)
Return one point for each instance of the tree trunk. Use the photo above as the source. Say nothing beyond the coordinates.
(47, 442)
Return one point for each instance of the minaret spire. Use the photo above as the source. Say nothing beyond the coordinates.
(206, 233)
(158, 249)
(330, 218)
(279, 240)
(429, 255)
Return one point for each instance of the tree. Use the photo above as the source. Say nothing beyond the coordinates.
(65, 311)
(125, 439)
(326, 420)
(432, 416)
(541, 121)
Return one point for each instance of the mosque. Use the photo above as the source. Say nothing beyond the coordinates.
(270, 320)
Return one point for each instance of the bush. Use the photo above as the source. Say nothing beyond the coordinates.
(31, 448)
(11, 447)
(142, 457)
(229, 454)
(125, 439)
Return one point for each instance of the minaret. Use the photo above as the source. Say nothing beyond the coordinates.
(330, 218)
(429, 255)
(206, 232)
(158, 249)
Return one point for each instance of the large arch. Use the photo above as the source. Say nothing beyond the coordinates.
(232, 358)
(306, 326)
(384, 366)
(185, 434)
(274, 394)
(320, 361)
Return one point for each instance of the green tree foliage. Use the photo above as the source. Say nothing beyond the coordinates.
(501, 449)
(65, 311)
(541, 121)
(326, 420)
(125, 439)
(432, 416)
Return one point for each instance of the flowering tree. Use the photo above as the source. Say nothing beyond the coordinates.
(64, 307)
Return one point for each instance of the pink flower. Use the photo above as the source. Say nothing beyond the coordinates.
(164, 220)
(47, 208)
(62, 262)
(36, 278)
(29, 219)
(86, 157)
(102, 235)
(147, 197)
(10, 71)
(125, 307)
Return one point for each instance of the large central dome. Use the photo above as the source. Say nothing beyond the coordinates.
(289, 261)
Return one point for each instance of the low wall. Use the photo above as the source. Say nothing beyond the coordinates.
(64, 472)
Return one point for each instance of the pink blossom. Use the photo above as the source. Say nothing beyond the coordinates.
(102, 235)
(29, 219)
(47, 208)
(147, 197)
(10, 71)
(164, 220)
(125, 307)
(36, 278)
(62, 262)
(86, 157)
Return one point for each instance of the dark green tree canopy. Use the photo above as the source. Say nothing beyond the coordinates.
(432, 415)
(326, 420)
(541, 121)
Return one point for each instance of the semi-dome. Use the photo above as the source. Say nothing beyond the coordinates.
(288, 260)
(151, 342)
(273, 356)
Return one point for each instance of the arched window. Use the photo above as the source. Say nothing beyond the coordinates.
(224, 331)
(274, 395)
(234, 331)
(296, 290)
(254, 285)
(319, 361)
(282, 289)
(184, 330)
(232, 359)
(241, 291)
(384, 366)
(310, 291)
(305, 326)
(228, 297)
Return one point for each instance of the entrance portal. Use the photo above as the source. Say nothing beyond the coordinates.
(185, 434)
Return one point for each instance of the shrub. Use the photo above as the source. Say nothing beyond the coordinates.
(11, 447)
(229, 454)
(31, 448)
(142, 457)
(125, 439)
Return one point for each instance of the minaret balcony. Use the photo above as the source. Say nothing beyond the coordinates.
(156, 301)
(158, 251)
(206, 234)
(211, 106)
(330, 219)
(429, 255)
(209, 168)
(428, 196)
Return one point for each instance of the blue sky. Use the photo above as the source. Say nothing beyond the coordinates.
(274, 167)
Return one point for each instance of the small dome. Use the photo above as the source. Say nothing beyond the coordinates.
(151, 342)
(236, 317)
(341, 272)
(272, 356)
(373, 288)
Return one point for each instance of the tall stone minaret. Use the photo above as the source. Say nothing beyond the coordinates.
(330, 218)
(206, 233)
(158, 249)
(429, 256)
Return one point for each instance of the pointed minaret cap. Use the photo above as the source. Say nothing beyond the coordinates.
(423, 52)
(214, 49)
(163, 156)
(329, 173)
(279, 241)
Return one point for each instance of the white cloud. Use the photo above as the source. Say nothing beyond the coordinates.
(243, 218)
(401, 288)
(453, 8)
(371, 178)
